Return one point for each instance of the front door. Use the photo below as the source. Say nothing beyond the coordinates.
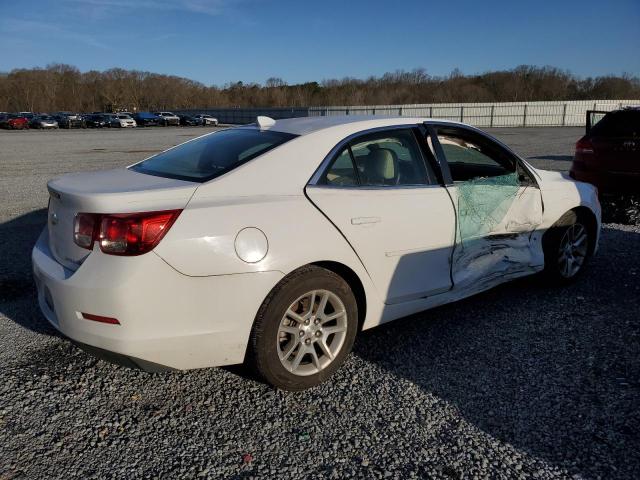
(384, 198)
(498, 206)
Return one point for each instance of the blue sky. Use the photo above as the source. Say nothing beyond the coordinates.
(219, 41)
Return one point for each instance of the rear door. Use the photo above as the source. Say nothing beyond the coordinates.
(380, 191)
(498, 206)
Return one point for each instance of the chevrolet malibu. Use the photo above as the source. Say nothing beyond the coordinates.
(276, 243)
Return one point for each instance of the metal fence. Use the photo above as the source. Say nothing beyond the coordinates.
(506, 114)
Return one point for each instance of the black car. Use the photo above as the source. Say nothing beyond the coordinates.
(146, 119)
(69, 120)
(96, 120)
(188, 120)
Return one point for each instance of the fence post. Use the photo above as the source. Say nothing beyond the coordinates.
(373, 111)
(461, 113)
(564, 115)
(400, 111)
(524, 117)
(430, 112)
(491, 121)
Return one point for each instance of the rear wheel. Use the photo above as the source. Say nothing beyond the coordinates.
(567, 247)
(304, 329)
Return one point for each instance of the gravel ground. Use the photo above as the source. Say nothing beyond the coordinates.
(524, 381)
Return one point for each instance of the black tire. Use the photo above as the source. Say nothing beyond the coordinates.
(554, 241)
(264, 342)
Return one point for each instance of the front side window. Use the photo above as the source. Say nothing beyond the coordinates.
(386, 158)
(208, 157)
(471, 156)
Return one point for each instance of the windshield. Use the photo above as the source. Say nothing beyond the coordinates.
(208, 157)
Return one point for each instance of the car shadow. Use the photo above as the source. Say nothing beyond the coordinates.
(551, 371)
(559, 158)
(18, 298)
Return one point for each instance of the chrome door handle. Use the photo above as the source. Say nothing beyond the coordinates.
(365, 220)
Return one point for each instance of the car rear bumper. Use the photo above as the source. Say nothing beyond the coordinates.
(166, 319)
(609, 182)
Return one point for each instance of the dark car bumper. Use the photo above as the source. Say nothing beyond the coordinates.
(609, 182)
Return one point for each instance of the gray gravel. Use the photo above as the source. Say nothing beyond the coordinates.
(524, 381)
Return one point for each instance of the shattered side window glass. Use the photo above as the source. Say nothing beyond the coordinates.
(486, 181)
(483, 203)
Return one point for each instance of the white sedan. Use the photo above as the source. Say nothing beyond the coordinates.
(275, 243)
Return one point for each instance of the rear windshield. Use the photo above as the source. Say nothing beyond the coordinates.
(208, 157)
(618, 124)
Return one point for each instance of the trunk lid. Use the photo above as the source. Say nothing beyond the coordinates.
(111, 191)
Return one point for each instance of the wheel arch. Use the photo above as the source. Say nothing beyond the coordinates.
(353, 280)
(587, 216)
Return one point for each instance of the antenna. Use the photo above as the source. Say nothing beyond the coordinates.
(265, 122)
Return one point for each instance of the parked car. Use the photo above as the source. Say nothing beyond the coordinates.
(14, 122)
(28, 115)
(608, 155)
(192, 258)
(207, 119)
(188, 120)
(97, 120)
(69, 120)
(43, 122)
(168, 118)
(122, 120)
(146, 119)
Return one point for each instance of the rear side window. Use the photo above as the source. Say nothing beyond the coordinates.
(208, 157)
(618, 124)
(387, 158)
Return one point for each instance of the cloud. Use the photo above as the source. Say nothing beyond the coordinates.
(48, 31)
(207, 7)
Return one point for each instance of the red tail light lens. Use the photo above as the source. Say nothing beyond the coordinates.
(84, 230)
(123, 234)
(584, 145)
(134, 234)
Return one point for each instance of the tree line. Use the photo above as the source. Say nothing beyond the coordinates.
(60, 87)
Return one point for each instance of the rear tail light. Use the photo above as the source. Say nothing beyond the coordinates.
(584, 145)
(123, 234)
(84, 229)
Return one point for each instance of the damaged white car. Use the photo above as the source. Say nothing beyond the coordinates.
(276, 243)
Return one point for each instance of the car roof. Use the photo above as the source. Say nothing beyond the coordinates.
(306, 125)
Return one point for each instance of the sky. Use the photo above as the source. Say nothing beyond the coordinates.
(221, 41)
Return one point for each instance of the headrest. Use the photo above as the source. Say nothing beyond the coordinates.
(382, 164)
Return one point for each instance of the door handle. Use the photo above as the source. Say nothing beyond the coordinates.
(364, 220)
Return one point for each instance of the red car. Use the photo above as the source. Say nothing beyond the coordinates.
(14, 122)
(608, 156)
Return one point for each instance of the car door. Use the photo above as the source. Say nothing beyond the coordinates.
(498, 206)
(381, 193)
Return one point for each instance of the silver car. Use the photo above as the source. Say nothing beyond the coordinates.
(44, 121)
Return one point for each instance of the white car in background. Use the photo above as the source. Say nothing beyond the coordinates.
(168, 118)
(276, 243)
(207, 119)
(122, 120)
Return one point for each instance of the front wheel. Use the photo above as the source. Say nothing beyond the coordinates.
(304, 329)
(567, 247)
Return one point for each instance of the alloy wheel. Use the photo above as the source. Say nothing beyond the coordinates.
(312, 332)
(573, 250)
